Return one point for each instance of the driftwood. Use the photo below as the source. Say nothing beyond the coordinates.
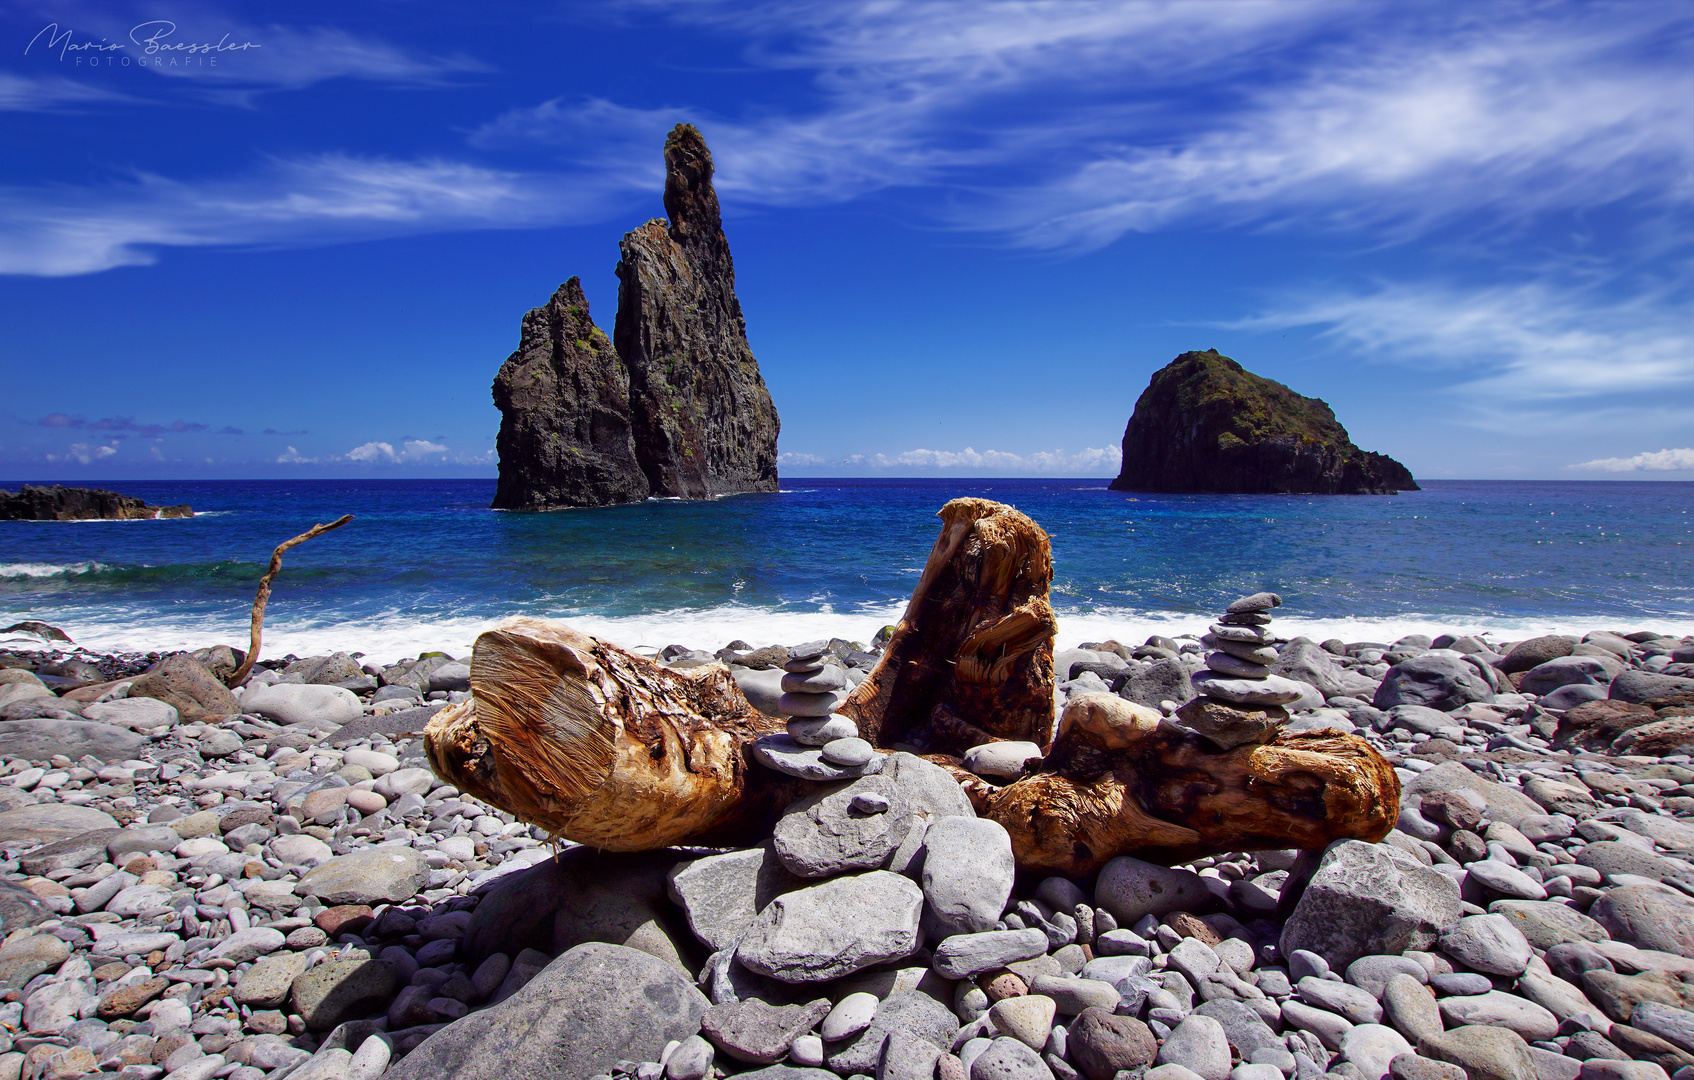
(264, 595)
(603, 747)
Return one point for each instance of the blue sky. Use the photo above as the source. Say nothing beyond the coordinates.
(965, 234)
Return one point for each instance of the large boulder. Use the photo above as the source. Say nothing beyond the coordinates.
(1593, 725)
(183, 683)
(592, 1007)
(1439, 680)
(1368, 900)
(1310, 664)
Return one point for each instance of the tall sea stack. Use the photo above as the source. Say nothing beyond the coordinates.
(674, 405)
(1205, 424)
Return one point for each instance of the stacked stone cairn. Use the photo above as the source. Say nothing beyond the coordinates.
(821, 744)
(1240, 700)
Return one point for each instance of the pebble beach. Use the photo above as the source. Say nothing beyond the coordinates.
(285, 889)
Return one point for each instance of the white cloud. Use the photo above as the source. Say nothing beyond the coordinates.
(419, 448)
(1677, 460)
(1523, 343)
(58, 231)
(372, 451)
(1090, 461)
(84, 453)
(292, 456)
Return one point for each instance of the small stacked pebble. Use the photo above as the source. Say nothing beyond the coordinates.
(821, 744)
(1240, 700)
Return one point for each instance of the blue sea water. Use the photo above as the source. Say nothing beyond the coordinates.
(425, 564)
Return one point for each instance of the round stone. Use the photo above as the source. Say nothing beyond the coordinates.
(820, 730)
(849, 752)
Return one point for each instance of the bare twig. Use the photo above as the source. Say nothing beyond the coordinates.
(264, 594)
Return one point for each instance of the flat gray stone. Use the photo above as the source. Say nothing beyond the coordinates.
(781, 753)
(592, 1007)
(1488, 943)
(387, 874)
(1369, 899)
(964, 956)
(1270, 690)
(721, 894)
(968, 872)
(822, 834)
(44, 823)
(38, 740)
(834, 929)
(1199, 1045)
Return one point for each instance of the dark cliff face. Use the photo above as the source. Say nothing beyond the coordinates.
(704, 421)
(674, 404)
(1206, 424)
(565, 434)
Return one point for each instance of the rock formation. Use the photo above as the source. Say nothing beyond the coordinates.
(565, 433)
(60, 503)
(674, 406)
(1206, 424)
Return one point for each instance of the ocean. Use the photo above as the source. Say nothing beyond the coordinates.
(426, 565)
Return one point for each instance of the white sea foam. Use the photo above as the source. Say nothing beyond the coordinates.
(397, 635)
(46, 570)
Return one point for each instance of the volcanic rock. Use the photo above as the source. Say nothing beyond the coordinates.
(1206, 424)
(60, 503)
(674, 405)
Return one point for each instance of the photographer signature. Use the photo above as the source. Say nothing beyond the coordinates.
(150, 36)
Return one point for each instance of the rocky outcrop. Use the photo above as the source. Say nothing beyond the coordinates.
(60, 503)
(675, 405)
(565, 433)
(1206, 424)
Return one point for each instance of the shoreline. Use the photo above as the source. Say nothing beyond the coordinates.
(393, 639)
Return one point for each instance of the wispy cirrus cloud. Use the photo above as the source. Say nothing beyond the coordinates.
(52, 93)
(288, 202)
(1678, 460)
(1536, 341)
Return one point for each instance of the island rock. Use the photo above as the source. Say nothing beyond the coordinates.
(675, 405)
(60, 503)
(1206, 424)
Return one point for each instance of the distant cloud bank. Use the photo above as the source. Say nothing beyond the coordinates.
(1651, 461)
(1089, 461)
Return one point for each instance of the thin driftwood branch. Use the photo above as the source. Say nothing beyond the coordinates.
(264, 594)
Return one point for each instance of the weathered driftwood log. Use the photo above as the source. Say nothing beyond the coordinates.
(601, 746)
(604, 747)
(972, 658)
